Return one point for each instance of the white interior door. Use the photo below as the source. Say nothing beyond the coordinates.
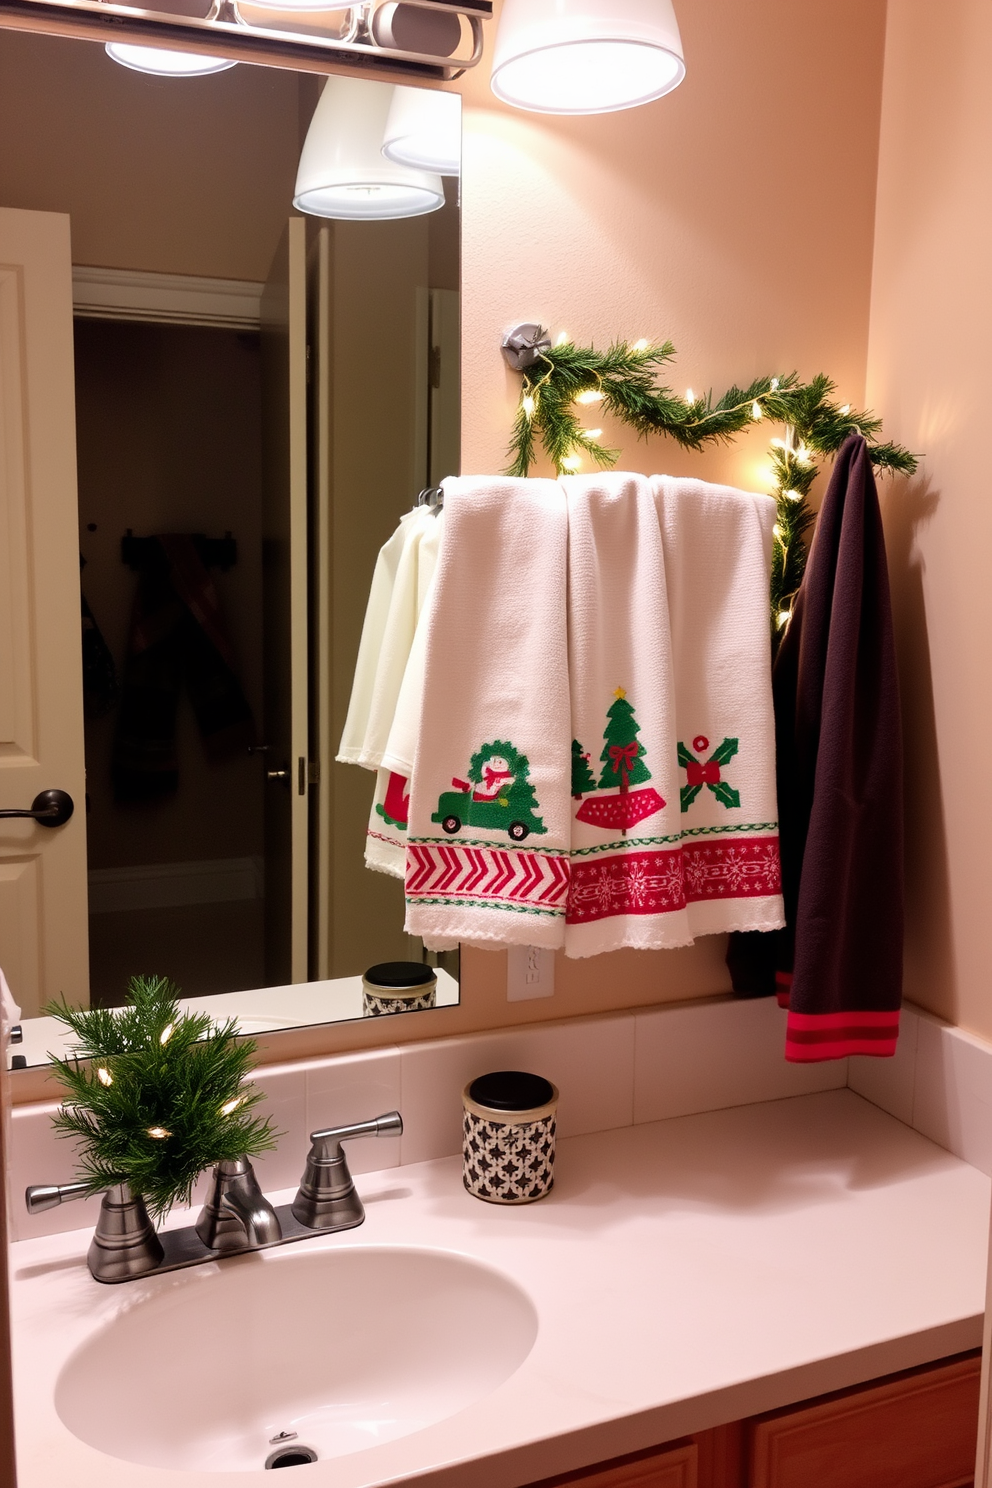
(285, 610)
(43, 906)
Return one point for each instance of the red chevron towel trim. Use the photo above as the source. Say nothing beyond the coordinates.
(810, 1037)
(664, 881)
(491, 876)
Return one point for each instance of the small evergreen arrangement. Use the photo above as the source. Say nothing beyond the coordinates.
(163, 1097)
(624, 381)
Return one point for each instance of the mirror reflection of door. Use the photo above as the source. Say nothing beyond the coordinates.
(223, 868)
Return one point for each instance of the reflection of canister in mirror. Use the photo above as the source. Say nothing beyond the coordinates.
(508, 1145)
(398, 987)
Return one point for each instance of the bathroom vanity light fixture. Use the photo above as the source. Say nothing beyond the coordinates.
(424, 130)
(343, 173)
(586, 56)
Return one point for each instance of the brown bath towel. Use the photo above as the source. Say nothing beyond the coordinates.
(838, 964)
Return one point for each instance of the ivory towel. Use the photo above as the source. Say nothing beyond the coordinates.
(386, 839)
(717, 544)
(402, 576)
(487, 859)
(626, 875)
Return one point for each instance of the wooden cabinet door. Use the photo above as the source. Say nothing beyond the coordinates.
(915, 1430)
(673, 1467)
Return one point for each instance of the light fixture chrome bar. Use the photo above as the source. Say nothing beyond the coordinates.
(96, 20)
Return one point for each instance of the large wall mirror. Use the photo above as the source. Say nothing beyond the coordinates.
(259, 396)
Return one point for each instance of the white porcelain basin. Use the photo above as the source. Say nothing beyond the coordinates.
(347, 1348)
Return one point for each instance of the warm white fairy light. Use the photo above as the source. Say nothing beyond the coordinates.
(779, 444)
(775, 384)
(105, 1077)
(159, 1133)
(793, 495)
(591, 395)
(529, 406)
(571, 463)
(593, 433)
(783, 617)
(846, 409)
(803, 455)
(641, 345)
(231, 1105)
(563, 338)
(690, 396)
(167, 1033)
(778, 534)
(757, 412)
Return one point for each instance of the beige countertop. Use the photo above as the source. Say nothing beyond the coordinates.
(684, 1273)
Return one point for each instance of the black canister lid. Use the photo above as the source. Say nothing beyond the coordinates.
(400, 974)
(511, 1090)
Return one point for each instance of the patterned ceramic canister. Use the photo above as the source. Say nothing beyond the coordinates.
(508, 1146)
(398, 987)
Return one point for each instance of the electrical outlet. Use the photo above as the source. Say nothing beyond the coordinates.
(530, 973)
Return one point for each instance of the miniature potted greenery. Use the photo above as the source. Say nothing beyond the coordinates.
(156, 1095)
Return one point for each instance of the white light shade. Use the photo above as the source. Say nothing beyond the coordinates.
(164, 62)
(586, 56)
(343, 172)
(424, 130)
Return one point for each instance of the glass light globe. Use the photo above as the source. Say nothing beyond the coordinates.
(424, 130)
(586, 56)
(164, 62)
(343, 173)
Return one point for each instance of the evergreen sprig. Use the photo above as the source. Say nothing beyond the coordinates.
(623, 381)
(163, 1098)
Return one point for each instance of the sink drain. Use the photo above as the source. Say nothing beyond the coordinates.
(291, 1457)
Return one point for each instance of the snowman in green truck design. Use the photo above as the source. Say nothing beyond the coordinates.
(497, 795)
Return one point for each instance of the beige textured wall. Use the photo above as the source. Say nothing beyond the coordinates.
(931, 328)
(734, 217)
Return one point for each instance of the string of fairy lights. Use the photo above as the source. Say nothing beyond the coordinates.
(623, 380)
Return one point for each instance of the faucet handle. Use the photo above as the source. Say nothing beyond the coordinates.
(326, 1199)
(380, 1126)
(42, 1196)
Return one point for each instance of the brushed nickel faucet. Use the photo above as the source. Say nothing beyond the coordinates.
(237, 1217)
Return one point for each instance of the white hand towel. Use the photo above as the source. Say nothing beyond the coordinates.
(717, 544)
(402, 576)
(487, 860)
(626, 876)
(386, 836)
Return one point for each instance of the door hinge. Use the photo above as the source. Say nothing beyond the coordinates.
(301, 775)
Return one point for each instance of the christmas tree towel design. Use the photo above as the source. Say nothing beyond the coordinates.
(623, 766)
(626, 886)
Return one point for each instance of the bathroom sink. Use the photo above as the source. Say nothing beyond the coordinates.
(315, 1354)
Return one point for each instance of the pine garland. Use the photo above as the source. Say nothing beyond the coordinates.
(163, 1099)
(624, 382)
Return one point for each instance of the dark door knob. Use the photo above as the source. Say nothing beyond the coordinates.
(52, 808)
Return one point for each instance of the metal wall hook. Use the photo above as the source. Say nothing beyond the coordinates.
(524, 346)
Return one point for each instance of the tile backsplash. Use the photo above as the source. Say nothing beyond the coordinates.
(612, 1071)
